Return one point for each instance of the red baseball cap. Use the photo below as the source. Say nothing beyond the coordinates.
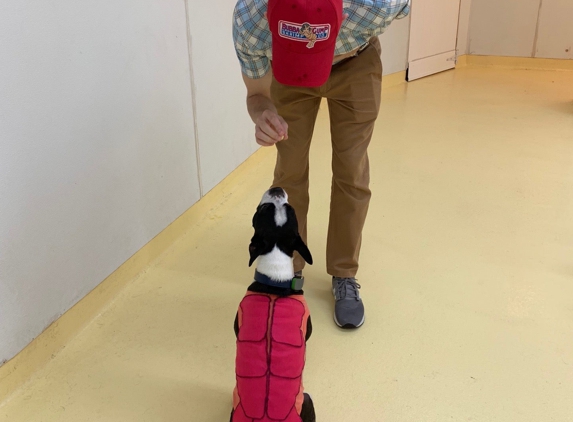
(304, 36)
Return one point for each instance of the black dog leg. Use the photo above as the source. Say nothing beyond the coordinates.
(236, 328)
(307, 413)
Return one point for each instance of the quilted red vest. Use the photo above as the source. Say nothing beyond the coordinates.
(270, 358)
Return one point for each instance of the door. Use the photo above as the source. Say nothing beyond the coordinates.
(433, 35)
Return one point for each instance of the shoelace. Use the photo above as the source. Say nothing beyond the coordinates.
(347, 287)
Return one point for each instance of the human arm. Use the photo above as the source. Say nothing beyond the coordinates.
(270, 128)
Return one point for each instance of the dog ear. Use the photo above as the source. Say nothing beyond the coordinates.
(302, 249)
(291, 218)
(299, 244)
(254, 220)
(255, 248)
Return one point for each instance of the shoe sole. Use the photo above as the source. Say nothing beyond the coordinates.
(347, 326)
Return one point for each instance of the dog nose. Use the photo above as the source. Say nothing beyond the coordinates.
(277, 192)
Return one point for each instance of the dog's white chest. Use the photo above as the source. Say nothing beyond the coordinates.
(276, 265)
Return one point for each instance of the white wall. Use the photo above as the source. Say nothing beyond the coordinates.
(225, 131)
(555, 39)
(96, 147)
(524, 28)
(463, 43)
(503, 27)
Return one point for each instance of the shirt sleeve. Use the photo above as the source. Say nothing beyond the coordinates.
(375, 15)
(405, 11)
(254, 63)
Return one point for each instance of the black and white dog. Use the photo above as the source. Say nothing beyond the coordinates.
(273, 322)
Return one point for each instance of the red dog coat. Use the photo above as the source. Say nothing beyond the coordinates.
(270, 358)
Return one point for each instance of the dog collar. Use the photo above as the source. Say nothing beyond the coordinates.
(295, 284)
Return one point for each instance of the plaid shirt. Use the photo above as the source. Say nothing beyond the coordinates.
(252, 37)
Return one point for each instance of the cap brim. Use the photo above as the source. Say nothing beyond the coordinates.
(310, 69)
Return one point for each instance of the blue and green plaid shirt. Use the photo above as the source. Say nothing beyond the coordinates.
(252, 37)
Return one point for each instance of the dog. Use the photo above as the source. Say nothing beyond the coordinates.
(273, 322)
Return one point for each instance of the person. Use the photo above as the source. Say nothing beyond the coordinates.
(292, 54)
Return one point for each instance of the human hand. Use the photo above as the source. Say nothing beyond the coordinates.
(270, 128)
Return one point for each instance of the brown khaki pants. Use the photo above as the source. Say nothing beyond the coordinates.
(353, 92)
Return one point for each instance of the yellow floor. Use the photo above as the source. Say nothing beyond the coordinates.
(467, 275)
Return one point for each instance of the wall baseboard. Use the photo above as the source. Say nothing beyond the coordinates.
(17, 371)
(521, 63)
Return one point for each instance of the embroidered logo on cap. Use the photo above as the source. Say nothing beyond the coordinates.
(304, 32)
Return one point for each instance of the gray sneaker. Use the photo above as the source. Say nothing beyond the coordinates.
(348, 309)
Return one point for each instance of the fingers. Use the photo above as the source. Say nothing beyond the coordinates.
(263, 139)
(284, 126)
(270, 129)
(278, 124)
(264, 144)
(271, 126)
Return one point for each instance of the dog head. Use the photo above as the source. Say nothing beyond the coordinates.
(275, 224)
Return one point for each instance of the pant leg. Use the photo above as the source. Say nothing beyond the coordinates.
(353, 94)
(299, 107)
